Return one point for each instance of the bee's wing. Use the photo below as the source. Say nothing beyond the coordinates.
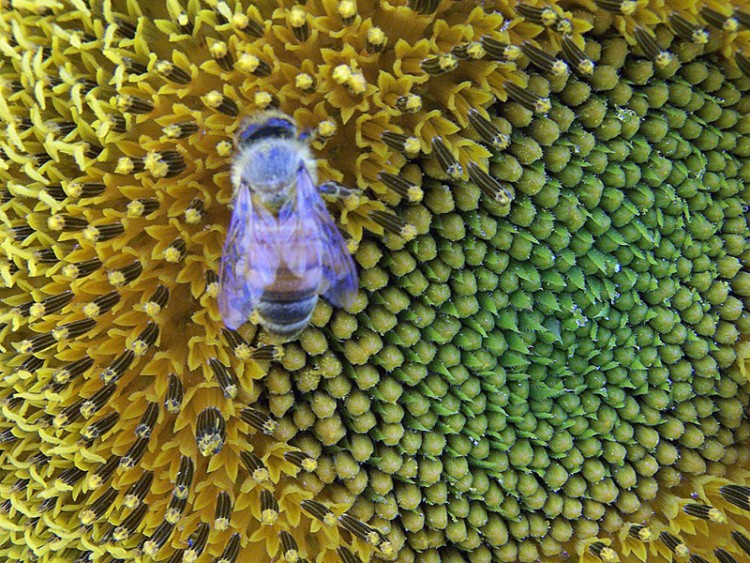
(248, 263)
(339, 275)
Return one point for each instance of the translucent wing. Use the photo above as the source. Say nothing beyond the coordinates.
(248, 260)
(339, 274)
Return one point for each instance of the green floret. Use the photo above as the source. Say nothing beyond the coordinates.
(551, 366)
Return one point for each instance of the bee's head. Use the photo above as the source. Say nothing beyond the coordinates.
(264, 125)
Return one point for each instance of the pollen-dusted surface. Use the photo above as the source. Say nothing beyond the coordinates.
(550, 359)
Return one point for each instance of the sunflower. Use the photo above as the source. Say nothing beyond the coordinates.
(547, 357)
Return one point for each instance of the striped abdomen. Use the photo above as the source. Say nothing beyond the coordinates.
(286, 306)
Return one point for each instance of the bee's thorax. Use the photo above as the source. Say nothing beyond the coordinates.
(269, 167)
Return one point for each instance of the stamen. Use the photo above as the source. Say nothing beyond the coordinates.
(738, 495)
(347, 11)
(227, 379)
(360, 529)
(142, 207)
(576, 57)
(527, 98)
(651, 48)
(90, 407)
(499, 51)
(175, 393)
(69, 331)
(674, 544)
(688, 30)
(544, 61)
(102, 233)
(251, 27)
(124, 276)
(393, 223)
(253, 65)
(134, 454)
(719, 20)
(424, 6)
(151, 546)
(603, 552)
(216, 100)
(491, 187)
(180, 130)
(138, 491)
(231, 551)
(258, 471)
(305, 82)
(705, 512)
(125, 28)
(269, 508)
(69, 414)
(448, 162)
(104, 472)
(197, 542)
(65, 223)
(440, 64)
(223, 511)
(101, 304)
(620, 7)
(70, 476)
(488, 131)
(46, 256)
(319, 511)
(132, 104)
(96, 510)
(65, 375)
(259, 420)
(472, 51)
(268, 353)
(117, 122)
(376, 40)
(297, 20)
(51, 304)
(146, 338)
(157, 301)
(409, 103)
(302, 460)
(172, 72)
(210, 431)
(118, 367)
(175, 509)
(82, 269)
(184, 478)
(542, 16)
(148, 421)
(408, 146)
(175, 251)
(404, 188)
(134, 67)
(100, 427)
(130, 524)
(220, 53)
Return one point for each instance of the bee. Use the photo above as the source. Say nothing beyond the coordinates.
(283, 250)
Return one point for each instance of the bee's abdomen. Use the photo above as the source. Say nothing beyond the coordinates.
(286, 314)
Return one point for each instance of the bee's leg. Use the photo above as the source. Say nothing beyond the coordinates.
(333, 191)
(306, 135)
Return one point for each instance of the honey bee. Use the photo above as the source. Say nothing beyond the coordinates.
(283, 249)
